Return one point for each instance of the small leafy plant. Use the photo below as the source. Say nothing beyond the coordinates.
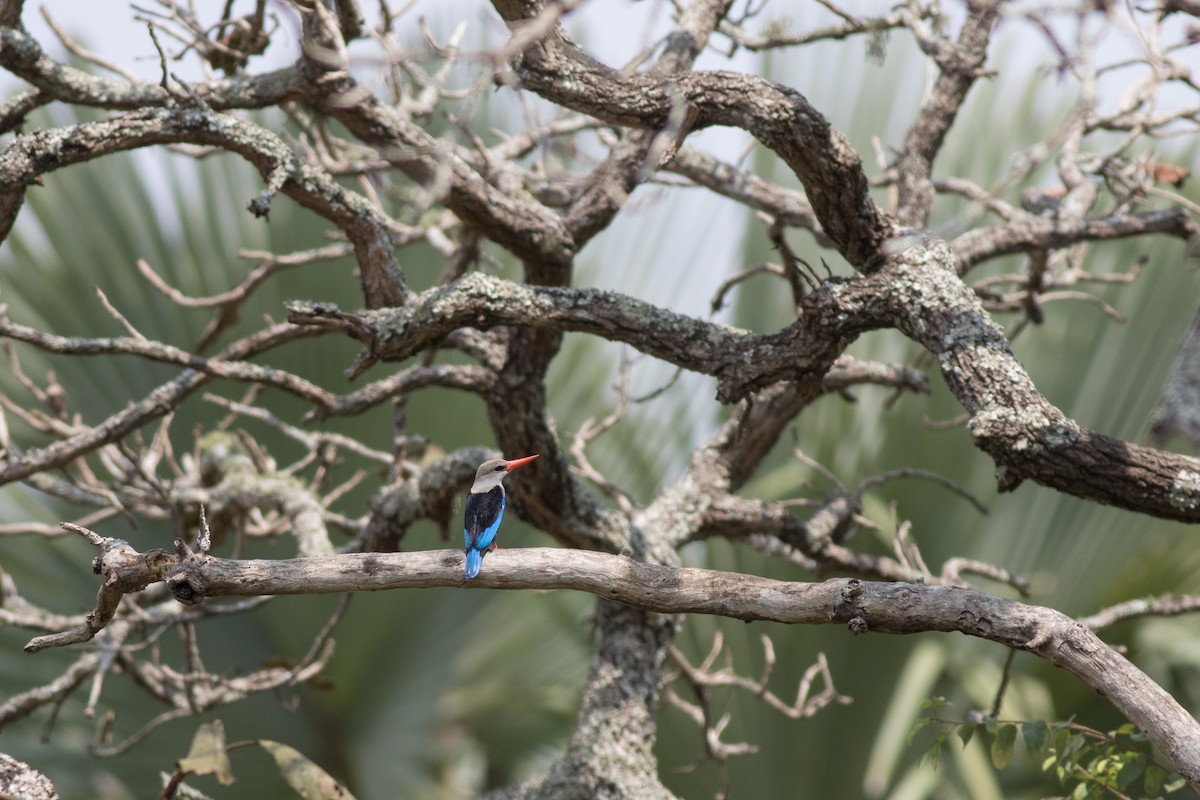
(1089, 764)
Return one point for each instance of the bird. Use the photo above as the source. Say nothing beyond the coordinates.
(485, 509)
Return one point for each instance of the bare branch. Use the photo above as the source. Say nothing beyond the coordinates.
(830, 170)
(158, 403)
(165, 353)
(862, 606)
(1159, 607)
(124, 570)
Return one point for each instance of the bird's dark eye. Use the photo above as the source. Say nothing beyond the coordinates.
(500, 468)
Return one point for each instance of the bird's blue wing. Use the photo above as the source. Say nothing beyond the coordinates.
(481, 523)
(484, 512)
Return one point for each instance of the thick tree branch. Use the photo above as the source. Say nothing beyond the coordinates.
(610, 754)
(1027, 436)
(742, 361)
(779, 117)
(900, 608)
(1012, 421)
(21, 55)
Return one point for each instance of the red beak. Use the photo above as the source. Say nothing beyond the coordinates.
(519, 462)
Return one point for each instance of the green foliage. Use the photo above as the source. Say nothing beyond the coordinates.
(1085, 763)
(209, 755)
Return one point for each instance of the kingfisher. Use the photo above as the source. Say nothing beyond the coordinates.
(485, 509)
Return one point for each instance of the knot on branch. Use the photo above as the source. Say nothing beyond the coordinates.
(260, 204)
(187, 581)
(848, 608)
(123, 569)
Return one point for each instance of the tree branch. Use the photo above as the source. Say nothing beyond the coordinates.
(159, 402)
(32, 155)
(917, 292)
(899, 608)
(779, 117)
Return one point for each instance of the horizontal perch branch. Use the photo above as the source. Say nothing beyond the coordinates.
(862, 606)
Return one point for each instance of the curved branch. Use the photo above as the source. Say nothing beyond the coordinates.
(32, 155)
(528, 229)
(1028, 233)
(1024, 433)
(21, 55)
(779, 117)
(916, 292)
(744, 362)
(899, 608)
(124, 571)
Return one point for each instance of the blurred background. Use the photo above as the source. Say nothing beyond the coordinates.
(443, 693)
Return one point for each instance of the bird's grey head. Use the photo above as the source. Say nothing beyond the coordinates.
(489, 475)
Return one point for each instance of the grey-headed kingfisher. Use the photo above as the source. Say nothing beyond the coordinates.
(485, 509)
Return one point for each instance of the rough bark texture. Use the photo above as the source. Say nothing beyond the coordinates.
(405, 165)
(610, 753)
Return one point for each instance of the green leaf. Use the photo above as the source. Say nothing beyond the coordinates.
(1002, 745)
(1175, 784)
(1062, 737)
(306, 778)
(1074, 749)
(918, 725)
(1153, 780)
(933, 704)
(935, 749)
(1131, 770)
(965, 732)
(207, 755)
(1034, 735)
(933, 755)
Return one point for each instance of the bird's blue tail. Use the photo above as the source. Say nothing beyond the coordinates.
(474, 562)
